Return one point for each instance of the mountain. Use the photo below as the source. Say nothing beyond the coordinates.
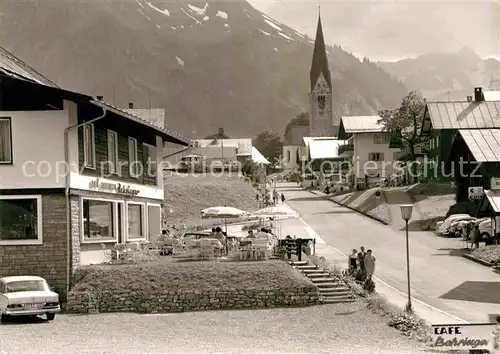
(211, 65)
(438, 75)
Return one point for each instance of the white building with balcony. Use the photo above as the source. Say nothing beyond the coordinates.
(372, 157)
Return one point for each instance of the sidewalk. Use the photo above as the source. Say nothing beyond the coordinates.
(337, 258)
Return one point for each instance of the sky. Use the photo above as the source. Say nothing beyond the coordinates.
(392, 30)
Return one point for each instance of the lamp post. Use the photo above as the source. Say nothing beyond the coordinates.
(406, 210)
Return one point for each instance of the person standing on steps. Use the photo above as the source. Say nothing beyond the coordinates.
(369, 264)
(353, 261)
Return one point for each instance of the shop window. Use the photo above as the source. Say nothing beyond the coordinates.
(20, 220)
(132, 158)
(112, 151)
(135, 221)
(88, 146)
(98, 220)
(150, 159)
(154, 221)
(5, 141)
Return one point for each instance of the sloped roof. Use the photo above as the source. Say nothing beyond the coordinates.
(324, 148)
(484, 144)
(179, 138)
(308, 139)
(491, 95)
(257, 157)
(462, 115)
(361, 124)
(12, 66)
(244, 145)
(494, 199)
(155, 116)
(320, 59)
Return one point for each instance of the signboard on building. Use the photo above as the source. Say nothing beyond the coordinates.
(476, 193)
(495, 184)
(112, 187)
(473, 336)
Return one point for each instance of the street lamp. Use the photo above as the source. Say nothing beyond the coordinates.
(406, 210)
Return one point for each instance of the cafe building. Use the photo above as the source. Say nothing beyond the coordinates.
(77, 176)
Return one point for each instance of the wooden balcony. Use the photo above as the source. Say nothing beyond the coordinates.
(345, 148)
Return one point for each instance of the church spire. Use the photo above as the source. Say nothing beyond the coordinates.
(320, 59)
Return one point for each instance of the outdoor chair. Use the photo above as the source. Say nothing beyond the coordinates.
(107, 253)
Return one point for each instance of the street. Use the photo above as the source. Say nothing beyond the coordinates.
(339, 328)
(460, 288)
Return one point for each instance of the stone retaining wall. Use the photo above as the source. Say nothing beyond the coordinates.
(194, 300)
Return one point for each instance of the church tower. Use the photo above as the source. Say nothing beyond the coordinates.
(320, 96)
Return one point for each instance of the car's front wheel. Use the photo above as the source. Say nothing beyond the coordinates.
(4, 318)
(50, 316)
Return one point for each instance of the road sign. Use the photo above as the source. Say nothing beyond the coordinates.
(469, 336)
(476, 193)
(378, 194)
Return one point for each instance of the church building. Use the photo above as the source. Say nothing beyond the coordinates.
(320, 96)
(320, 123)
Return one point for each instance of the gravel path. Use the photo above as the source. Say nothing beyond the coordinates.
(339, 328)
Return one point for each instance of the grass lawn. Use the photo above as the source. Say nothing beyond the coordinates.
(490, 254)
(189, 194)
(176, 276)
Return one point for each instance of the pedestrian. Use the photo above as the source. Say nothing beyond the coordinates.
(288, 247)
(369, 263)
(282, 198)
(363, 252)
(476, 237)
(361, 262)
(353, 260)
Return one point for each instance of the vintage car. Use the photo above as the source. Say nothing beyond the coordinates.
(27, 296)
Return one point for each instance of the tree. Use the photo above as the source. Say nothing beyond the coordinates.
(269, 144)
(300, 120)
(403, 124)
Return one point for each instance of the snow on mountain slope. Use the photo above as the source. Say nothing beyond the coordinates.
(210, 64)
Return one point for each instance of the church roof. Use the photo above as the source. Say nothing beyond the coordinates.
(320, 59)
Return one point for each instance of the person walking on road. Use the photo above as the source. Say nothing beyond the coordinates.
(369, 262)
(476, 237)
(282, 198)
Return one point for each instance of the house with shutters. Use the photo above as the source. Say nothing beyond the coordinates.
(78, 176)
(372, 157)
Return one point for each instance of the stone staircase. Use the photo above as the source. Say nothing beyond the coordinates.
(330, 290)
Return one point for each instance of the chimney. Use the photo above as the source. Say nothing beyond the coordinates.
(221, 131)
(131, 105)
(99, 98)
(478, 94)
(469, 98)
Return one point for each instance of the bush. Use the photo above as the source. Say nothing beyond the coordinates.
(408, 324)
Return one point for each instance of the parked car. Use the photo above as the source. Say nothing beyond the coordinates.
(27, 296)
(443, 227)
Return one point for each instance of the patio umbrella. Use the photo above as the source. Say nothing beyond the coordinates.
(278, 213)
(223, 212)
